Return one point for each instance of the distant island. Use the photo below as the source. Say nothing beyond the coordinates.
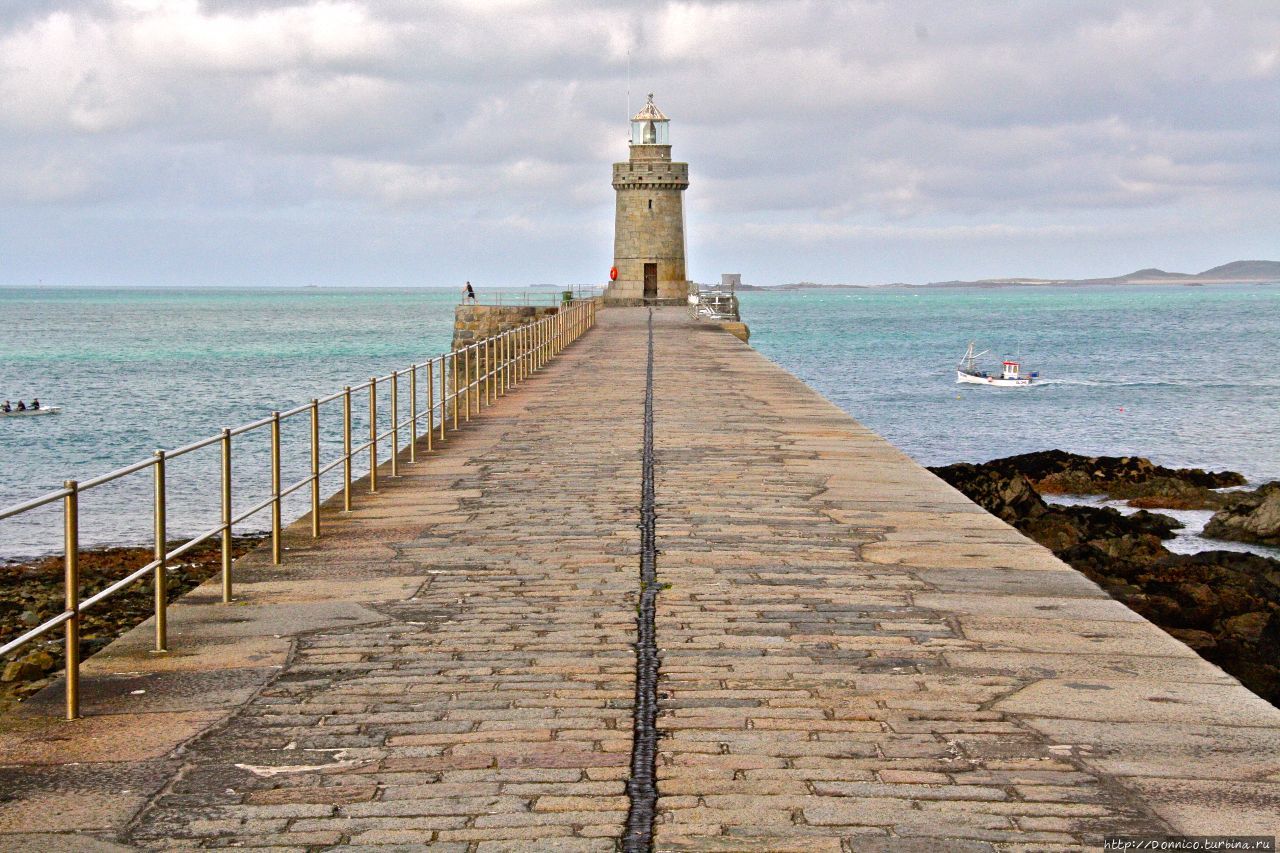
(1236, 272)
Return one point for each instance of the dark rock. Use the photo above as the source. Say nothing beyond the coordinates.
(1007, 496)
(1249, 517)
(1201, 641)
(1247, 626)
(29, 667)
(1128, 477)
(1108, 470)
(1167, 493)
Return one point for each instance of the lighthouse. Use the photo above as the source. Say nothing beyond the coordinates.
(648, 236)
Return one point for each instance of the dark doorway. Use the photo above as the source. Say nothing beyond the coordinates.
(650, 281)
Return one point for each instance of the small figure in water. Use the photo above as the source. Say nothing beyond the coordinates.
(6, 407)
(35, 403)
(468, 294)
(22, 407)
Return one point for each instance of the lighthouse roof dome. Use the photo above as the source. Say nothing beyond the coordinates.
(650, 112)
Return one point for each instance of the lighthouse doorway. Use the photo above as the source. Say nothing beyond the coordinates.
(650, 282)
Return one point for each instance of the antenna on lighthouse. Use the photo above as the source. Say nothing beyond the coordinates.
(628, 83)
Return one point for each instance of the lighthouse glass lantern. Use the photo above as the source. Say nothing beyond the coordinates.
(649, 126)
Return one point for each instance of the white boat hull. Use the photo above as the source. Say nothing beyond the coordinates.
(32, 413)
(996, 381)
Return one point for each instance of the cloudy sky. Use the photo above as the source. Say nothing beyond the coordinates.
(409, 142)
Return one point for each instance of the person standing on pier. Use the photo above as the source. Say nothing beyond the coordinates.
(468, 294)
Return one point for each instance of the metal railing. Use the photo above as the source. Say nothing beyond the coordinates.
(537, 297)
(466, 378)
(714, 303)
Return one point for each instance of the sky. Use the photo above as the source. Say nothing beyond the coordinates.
(421, 143)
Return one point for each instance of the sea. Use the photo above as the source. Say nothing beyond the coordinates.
(1184, 375)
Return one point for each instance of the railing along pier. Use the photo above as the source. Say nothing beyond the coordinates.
(489, 369)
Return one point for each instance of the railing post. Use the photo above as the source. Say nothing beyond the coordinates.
(277, 547)
(71, 587)
(479, 389)
(413, 414)
(466, 369)
(431, 406)
(488, 371)
(444, 393)
(500, 363)
(521, 335)
(346, 448)
(395, 427)
(161, 577)
(373, 434)
(315, 468)
(455, 360)
(226, 516)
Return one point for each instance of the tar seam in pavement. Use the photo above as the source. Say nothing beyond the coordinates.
(642, 787)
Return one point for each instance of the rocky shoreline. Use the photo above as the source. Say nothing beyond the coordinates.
(1223, 604)
(31, 592)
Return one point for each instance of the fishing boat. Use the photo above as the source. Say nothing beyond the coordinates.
(1011, 376)
(31, 413)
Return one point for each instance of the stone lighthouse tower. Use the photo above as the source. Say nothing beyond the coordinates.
(648, 237)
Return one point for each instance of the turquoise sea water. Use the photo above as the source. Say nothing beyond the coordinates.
(141, 369)
(1187, 376)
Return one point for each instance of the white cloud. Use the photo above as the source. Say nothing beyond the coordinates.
(31, 175)
(831, 124)
(393, 183)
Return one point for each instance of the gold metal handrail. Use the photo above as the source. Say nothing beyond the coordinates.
(506, 360)
(540, 298)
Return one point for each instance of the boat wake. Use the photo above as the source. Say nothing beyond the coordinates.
(1259, 382)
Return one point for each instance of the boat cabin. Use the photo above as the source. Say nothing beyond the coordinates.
(1012, 370)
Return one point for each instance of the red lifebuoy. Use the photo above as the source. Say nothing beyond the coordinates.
(613, 273)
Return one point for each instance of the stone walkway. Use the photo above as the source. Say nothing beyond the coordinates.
(854, 656)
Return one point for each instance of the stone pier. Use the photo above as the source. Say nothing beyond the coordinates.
(854, 657)
(473, 323)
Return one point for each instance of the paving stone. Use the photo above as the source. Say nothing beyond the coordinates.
(854, 656)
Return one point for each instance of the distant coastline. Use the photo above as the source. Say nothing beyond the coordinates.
(1235, 272)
